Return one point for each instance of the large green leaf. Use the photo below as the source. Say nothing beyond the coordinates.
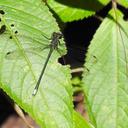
(80, 122)
(123, 2)
(22, 58)
(106, 74)
(69, 10)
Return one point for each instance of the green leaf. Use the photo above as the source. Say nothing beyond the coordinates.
(22, 55)
(123, 2)
(106, 74)
(69, 10)
(80, 122)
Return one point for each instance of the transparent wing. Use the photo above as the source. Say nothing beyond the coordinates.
(18, 54)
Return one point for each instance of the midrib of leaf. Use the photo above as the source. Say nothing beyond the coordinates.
(17, 42)
(116, 72)
(117, 61)
(118, 34)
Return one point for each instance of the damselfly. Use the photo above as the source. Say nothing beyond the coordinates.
(53, 45)
(54, 42)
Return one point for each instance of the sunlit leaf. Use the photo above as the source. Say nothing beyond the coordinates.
(123, 2)
(106, 80)
(22, 55)
(69, 10)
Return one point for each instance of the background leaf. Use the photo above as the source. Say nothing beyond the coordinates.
(123, 2)
(22, 58)
(69, 10)
(80, 121)
(105, 81)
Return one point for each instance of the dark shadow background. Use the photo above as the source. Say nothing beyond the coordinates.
(6, 108)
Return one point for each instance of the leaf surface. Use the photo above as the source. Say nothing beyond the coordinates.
(22, 56)
(69, 10)
(80, 122)
(123, 2)
(106, 74)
